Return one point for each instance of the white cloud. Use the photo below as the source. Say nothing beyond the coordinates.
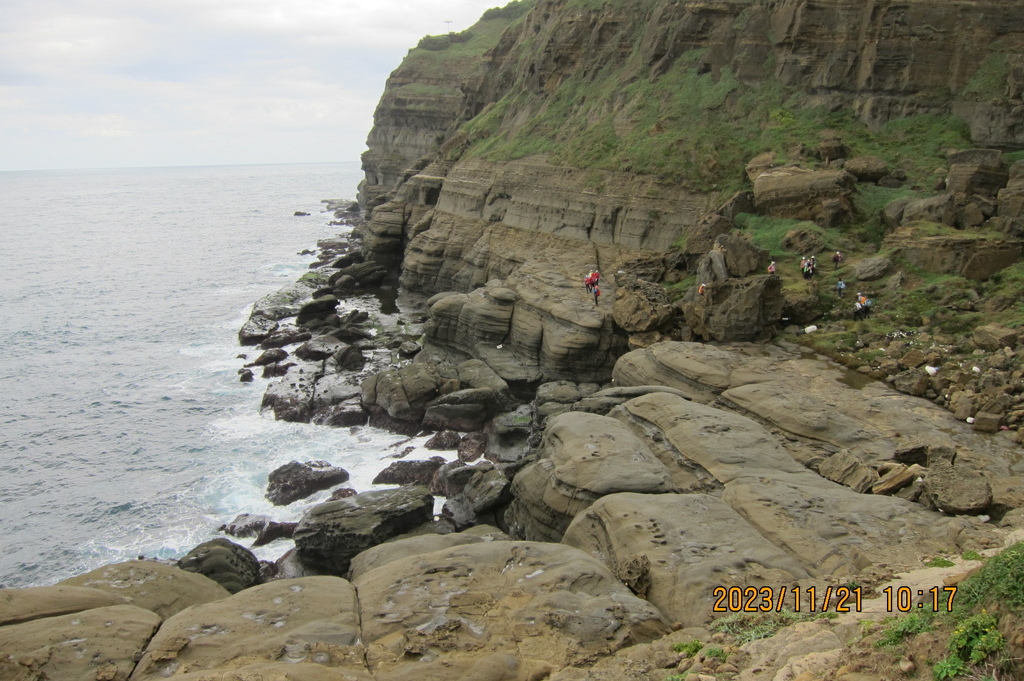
(164, 82)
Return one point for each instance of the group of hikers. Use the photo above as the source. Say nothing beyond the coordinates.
(861, 304)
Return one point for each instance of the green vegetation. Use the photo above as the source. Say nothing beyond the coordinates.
(691, 648)
(716, 653)
(971, 555)
(987, 603)
(939, 562)
(690, 125)
(437, 57)
(896, 629)
(745, 627)
(999, 582)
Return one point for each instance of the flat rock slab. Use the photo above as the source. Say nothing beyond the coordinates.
(101, 643)
(817, 400)
(163, 589)
(305, 620)
(25, 605)
(536, 601)
(675, 548)
(832, 530)
(391, 551)
(280, 671)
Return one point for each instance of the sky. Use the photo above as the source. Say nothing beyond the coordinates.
(130, 83)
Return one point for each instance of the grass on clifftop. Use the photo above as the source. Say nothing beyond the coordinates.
(437, 57)
(695, 128)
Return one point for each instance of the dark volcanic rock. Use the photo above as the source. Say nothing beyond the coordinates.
(318, 308)
(296, 480)
(319, 348)
(256, 330)
(245, 525)
(285, 336)
(271, 356)
(446, 439)
(409, 472)
(275, 530)
(332, 533)
(341, 415)
(232, 566)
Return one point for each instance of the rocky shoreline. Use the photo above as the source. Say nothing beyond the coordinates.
(584, 529)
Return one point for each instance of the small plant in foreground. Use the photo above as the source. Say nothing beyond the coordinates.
(939, 561)
(898, 628)
(976, 638)
(948, 668)
(691, 648)
(676, 677)
(716, 654)
(971, 555)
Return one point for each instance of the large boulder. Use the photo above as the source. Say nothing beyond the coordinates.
(962, 253)
(940, 209)
(736, 309)
(256, 329)
(582, 458)
(976, 171)
(993, 337)
(332, 533)
(441, 396)
(294, 480)
(291, 398)
(310, 620)
(867, 168)
(533, 601)
(409, 472)
(232, 566)
(822, 196)
(99, 643)
(640, 305)
(163, 589)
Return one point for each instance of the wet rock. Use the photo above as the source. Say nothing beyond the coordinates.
(232, 566)
(285, 336)
(444, 440)
(273, 531)
(271, 356)
(409, 472)
(295, 480)
(319, 348)
(332, 533)
(256, 330)
(316, 309)
(245, 525)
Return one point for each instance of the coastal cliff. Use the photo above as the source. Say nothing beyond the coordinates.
(629, 136)
(644, 483)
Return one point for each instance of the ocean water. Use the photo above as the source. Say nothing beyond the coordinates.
(124, 429)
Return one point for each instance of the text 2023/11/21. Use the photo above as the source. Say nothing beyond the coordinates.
(822, 599)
